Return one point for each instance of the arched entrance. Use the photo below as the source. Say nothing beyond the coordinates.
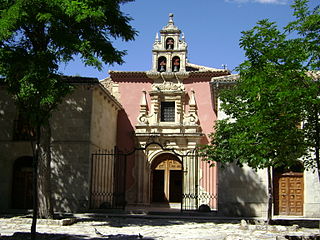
(166, 179)
(288, 190)
(22, 183)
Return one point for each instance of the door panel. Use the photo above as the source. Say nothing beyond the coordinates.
(158, 186)
(288, 194)
(22, 189)
(175, 186)
(167, 179)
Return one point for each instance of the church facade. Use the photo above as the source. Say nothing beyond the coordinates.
(155, 119)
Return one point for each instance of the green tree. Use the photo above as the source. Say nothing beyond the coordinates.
(271, 98)
(35, 36)
(307, 26)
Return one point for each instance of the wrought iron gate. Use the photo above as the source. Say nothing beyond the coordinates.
(108, 177)
(108, 180)
(199, 186)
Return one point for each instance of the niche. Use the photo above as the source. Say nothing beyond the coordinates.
(169, 43)
(175, 64)
(162, 64)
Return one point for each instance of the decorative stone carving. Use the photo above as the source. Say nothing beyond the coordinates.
(167, 75)
(168, 86)
(112, 87)
(143, 116)
(169, 45)
(108, 84)
(153, 74)
(192, 117)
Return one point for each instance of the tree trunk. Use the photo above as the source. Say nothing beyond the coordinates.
(35, 183)
(44, 174)
(270, 196)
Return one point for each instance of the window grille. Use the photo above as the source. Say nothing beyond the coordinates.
(167, 111)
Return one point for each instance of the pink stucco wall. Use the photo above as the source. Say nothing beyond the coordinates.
(130, 97)
(207, 117)
(204, 102)
(131, 93)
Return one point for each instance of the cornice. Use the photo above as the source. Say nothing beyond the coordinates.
(227, 79)
(147, 75)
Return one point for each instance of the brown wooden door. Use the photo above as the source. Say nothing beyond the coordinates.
(288, 194)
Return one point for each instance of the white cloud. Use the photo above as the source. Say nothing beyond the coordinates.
(281, 2)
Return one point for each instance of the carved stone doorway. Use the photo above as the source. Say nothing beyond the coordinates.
(166, 179)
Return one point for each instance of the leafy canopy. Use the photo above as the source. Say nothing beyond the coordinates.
(36, 35)
(268, 102)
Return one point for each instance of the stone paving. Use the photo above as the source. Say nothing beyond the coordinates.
(156, 228)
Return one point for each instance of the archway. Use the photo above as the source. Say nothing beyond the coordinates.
(169, 44)
(22, 183)
(162, 64)
(175, 64)
(289, 190)
(166, 179)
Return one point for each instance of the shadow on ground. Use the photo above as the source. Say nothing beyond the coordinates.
(45, 236)
(119, 222)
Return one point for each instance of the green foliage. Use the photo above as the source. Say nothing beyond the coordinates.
(273, 95)
(35, 35)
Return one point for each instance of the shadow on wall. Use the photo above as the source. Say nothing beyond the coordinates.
(125, 143)
(242, 192)
(70, 129)
(70, 179)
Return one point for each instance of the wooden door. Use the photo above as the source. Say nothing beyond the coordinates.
(167, 179)
(175, 193)
(288, 194)
(22, 184)
(158, 194)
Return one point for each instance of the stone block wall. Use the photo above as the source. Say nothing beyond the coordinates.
(9, 150)
(86, 120)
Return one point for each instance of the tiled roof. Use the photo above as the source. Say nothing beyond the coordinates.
(77, 79)
(233, 78)
(194, 70)
(198, 68)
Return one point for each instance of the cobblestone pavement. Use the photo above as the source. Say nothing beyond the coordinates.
(150, 228)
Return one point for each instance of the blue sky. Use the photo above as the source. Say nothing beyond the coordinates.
(212, 30)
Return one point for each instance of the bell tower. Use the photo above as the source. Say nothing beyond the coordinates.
(170, 50)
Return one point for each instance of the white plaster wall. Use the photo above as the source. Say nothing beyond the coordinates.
(221, 114)
(311, 194)
(242, 191)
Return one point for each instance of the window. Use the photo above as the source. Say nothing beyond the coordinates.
(22, 130)
(167, 111)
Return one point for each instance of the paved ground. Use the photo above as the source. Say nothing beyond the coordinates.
(164, 228)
